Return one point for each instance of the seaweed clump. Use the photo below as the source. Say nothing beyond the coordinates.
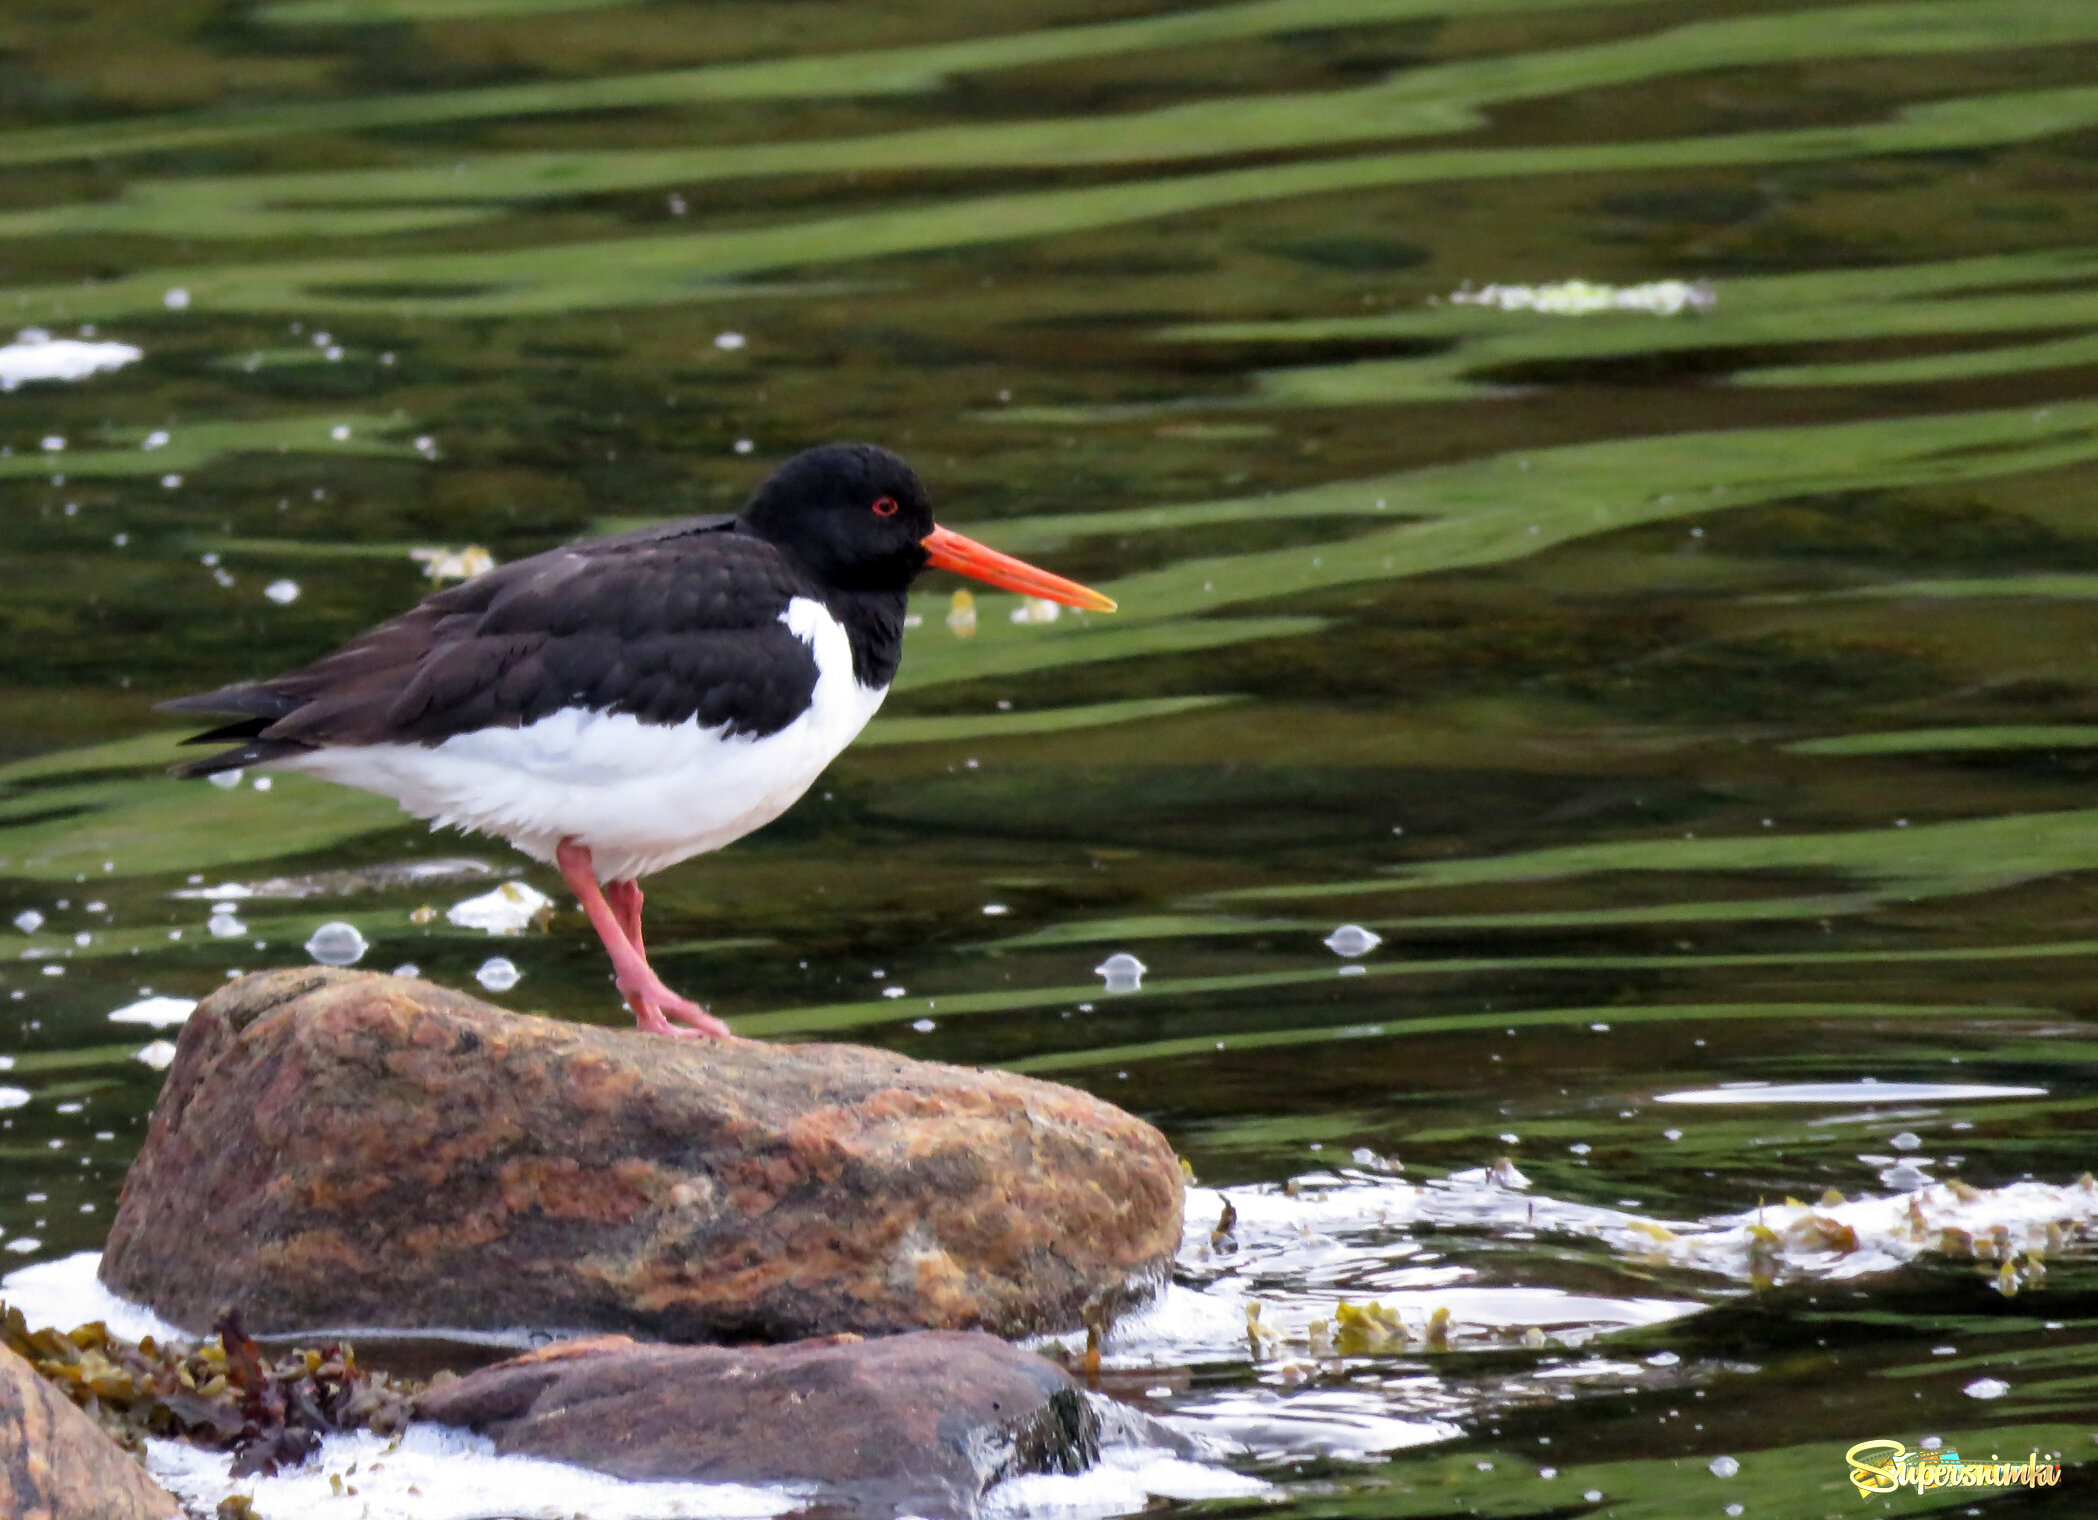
(224, 1394)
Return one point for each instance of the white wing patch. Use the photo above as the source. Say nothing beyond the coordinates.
(641, 796)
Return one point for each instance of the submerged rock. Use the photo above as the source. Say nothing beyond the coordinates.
(56, 1464)
(339, 1149)
(916, 1424)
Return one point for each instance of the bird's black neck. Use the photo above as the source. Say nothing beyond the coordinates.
(873, 622)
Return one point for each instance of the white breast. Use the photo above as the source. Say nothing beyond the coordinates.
(641, 796)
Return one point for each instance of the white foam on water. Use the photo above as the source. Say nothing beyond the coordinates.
(1580, 298)
(509, 909)
(36, 355)
(1850, 1093)
(1343, 1424)
(1123, 1482)
(433, 1472)
(160, 1012)
(1867, 1235)
(65, 1293)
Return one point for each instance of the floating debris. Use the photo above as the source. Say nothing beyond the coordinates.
(1580, 298)
(337, 944)
(13, 1097)
(225, 781)
(29, 920)
(159, 1054)
(1723, 1467)
(223, 1394)
(729, 341)
(1351, 940)
(159, 1012)
(1123, 971)
(1036, 610)
(498, 974)
(511, 908)
(453, 564)
(961, 614)
(1503, 1174)
(282, 592)
(36, 355)
(1986, 1388)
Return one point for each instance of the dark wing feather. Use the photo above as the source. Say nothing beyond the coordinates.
(667, 624)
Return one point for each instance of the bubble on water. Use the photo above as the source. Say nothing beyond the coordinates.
(13, 1097)
(924, 1026)
(1352, 940)
(1663, 1359)
(1723, 1467)
(158, 1054)
(1123, 971)
(744, 445)
(995, 910)
(1736, 1509)
(498, 974)
(408, 970)
(29, 920)
(177, 299)
(24, 1244)
(337, 944)
(1986, 1388)
(893, 992)
(1907, 1140)
(225, 925)
(1593, 1496)
(729, 340)
(54, 444)
(282, 592)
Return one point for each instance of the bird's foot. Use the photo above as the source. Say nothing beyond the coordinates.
(650, 1020)
(654, 1004)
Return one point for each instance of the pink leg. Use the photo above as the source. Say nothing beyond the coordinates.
(638, 983)
(625, 898)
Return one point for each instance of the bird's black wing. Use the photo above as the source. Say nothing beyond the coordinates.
(671, 623)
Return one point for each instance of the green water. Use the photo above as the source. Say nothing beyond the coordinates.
(1724, 677)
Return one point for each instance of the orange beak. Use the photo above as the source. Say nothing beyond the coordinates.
(965, 556)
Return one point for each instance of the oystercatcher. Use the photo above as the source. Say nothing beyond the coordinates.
(621, 704)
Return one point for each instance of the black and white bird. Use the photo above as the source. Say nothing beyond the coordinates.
(621, 704)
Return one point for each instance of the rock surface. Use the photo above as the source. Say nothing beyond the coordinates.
(56, 1464)
(916, 1424)
(340, 1149)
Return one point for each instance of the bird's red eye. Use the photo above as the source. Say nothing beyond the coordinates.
(885, 507)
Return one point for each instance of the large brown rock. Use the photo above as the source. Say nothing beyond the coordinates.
(56, 1464)
(339, 1149)
(914, 1424)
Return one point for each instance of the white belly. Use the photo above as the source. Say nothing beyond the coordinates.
(640, 796)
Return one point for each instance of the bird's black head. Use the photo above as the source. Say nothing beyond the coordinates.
(853, 514)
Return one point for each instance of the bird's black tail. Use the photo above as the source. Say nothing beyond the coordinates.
(258, 706)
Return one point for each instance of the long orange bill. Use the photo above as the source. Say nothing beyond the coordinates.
(951, 551)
